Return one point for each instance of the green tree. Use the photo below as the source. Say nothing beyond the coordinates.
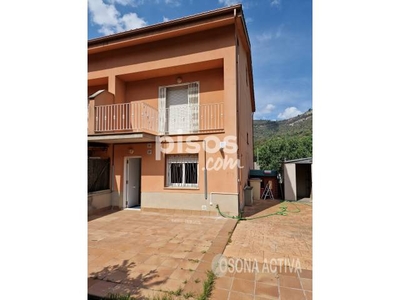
(272, 152)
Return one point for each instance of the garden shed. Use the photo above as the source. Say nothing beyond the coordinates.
(297, 178)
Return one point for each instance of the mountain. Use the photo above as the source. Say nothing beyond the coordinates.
(296, 126)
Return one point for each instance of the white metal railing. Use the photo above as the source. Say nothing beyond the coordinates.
(139, 116)
(211, 117)
(113, 117)
(179, 119)
(144, 117)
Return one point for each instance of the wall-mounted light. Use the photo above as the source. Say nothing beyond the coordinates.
(179, 79)
(131, 151)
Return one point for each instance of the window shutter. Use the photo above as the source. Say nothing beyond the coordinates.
(194, 106)
(161, 109)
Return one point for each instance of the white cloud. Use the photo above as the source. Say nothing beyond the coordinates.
(276, 3)
(165, 19)
(267, 109)
(289, 112)
(272, 34)
(264, 37)
(173, 2)
(228, 2)
(126, 2)
(132, 21)
(109, 18)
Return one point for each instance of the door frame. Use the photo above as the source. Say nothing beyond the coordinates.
(126, 158)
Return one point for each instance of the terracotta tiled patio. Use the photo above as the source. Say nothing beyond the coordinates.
(146, 253)
(143, 253)
(265, 241)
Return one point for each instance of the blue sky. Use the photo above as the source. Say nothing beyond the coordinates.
(280, 34)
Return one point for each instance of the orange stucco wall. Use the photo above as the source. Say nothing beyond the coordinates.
(135, 74)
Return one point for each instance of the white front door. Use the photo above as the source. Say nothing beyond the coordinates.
(132, 173)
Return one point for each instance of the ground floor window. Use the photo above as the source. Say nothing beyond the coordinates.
(98, 174)
(182, 170)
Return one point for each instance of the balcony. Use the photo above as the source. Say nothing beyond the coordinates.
(140, 117)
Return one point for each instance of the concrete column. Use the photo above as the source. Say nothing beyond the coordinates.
(91, 117)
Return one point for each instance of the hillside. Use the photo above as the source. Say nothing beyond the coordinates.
(298, 126)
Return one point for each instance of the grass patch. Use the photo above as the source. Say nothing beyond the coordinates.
(185, 281)
(161, 297)
(112, 296)
(204, 252)
(197, 280)
(193, 260)
(188, 295)
(208, 286)
(178, 292)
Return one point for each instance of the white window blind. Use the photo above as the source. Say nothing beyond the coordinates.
(179, 108)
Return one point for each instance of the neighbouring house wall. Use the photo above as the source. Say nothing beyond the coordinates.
(289, 180)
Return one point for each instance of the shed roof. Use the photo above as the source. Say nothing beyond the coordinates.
(263, 173)
(307, 160)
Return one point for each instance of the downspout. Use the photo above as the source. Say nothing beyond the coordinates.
(205, 172)
(112, 176)
(237, 106)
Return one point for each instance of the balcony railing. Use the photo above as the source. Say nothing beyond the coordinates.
(138, 116)
(133, 116)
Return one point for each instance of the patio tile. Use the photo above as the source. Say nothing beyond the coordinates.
(224, 283)
(204, 266)
(171, 285)
(308, 295)
(188, 264)
(192, 287)
(305, 274)
(219, 294)
(101, 288)
(181, 274)
(306, 283)
(171, 262)
(291, 294)
(243, 286)
(265, 277)
(178, 254)
(290, 282)
(154, 260)
(245, 274)
(267, 290)
(239, 296)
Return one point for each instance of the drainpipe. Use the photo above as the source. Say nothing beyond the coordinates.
(112, 177)
(237, 104)
(205, 171)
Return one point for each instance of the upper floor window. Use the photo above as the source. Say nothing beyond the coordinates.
(179, 108)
